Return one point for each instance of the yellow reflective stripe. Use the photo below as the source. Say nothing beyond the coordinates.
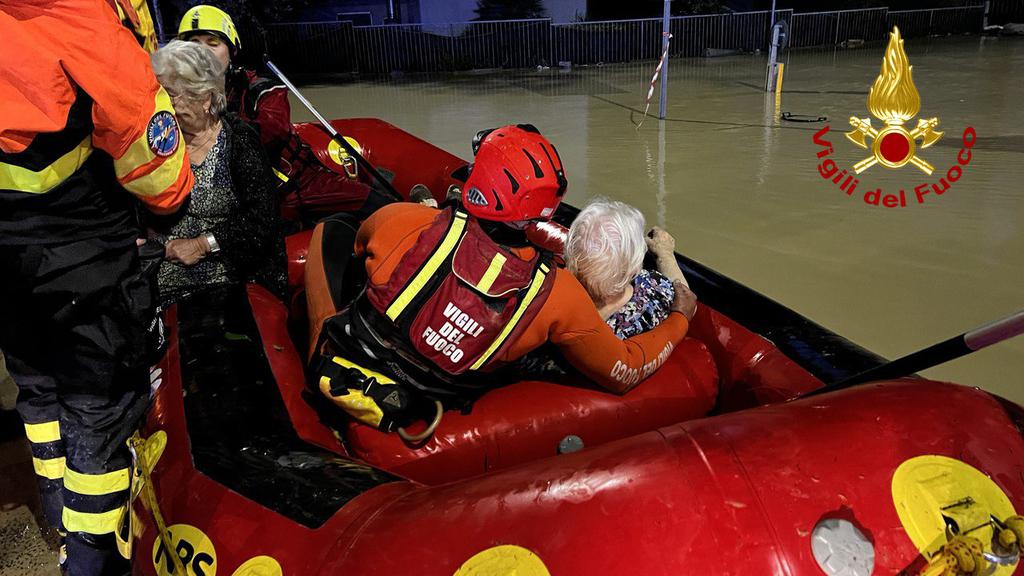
(51, 469)
(139, 153)
(487, 280)
(280, 175)
(43, 432)
(366, 371)
(101, 523)
(531, 293)
(158, 180)
(96, 484)
(430, 268)
(24, 180)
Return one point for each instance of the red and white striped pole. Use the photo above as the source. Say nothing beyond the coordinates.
(654, 80)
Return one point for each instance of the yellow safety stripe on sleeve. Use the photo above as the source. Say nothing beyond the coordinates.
(487, 280)
(130, 168)
(139, 153)
(24, 180)
(96, 484)
(43, 432)
(448, 244)
(531, 293)
(158, 180)
(98, 523)
(280, 175)
(51, 469)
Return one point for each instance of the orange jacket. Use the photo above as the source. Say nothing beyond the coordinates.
(568, 318)
(59, 54)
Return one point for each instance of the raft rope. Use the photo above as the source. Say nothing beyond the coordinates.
(137, 445)
(654, 79)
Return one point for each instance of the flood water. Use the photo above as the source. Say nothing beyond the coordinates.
(741, 192)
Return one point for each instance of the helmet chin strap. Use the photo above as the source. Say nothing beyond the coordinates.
(504, 234)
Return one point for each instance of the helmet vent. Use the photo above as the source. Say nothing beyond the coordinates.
(536, 167)
(497, 201)
(475, 197)
(195, 21)
(512, 181)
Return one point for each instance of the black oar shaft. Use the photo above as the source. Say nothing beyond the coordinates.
(936, 354)
(334, 133)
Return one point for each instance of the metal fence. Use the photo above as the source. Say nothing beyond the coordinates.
(1004, 11)
(339, 47)
(938, 21)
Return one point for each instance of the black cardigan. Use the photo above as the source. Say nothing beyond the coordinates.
(253, 243)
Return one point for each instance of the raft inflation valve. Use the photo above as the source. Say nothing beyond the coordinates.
(841, 549)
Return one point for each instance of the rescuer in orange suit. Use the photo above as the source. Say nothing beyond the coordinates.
(308, 188)
(456, 291)
(86, 135)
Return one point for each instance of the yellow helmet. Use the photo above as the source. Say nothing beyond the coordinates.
(211, 20)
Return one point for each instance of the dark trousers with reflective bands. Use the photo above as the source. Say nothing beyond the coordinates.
(73, 320)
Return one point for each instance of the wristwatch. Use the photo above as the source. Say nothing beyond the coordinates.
(214, 247)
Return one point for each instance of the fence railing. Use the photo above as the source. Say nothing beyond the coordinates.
(937, 21)
(339, 47)
(1003, 11)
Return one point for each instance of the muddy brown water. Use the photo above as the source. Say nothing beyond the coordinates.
(741, 192)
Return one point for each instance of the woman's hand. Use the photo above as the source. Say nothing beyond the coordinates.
(685, 300)
(187, 251)
(661, 242)
(663, 245)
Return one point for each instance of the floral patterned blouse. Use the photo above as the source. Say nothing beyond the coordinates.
(650, 304)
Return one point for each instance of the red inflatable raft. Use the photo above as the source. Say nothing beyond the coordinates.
(704, 468)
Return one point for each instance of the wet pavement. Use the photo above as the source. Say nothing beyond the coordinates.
(26, 549)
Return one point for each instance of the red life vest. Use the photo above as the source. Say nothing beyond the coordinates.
(457, 298)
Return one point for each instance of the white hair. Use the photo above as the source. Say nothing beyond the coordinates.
(606, 247)
(192, 69)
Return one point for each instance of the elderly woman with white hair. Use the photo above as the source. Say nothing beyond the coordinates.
(605, 250)
(229, 231)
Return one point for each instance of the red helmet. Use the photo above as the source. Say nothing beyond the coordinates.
(517, 176)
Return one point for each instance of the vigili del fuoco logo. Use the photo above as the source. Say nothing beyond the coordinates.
(894, 101)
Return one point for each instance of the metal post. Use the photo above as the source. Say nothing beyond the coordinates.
(773, 16)
(773, 52)
(984, 19)
(665, 21)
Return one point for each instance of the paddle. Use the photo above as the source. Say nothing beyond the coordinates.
(334, 133)
(998, 331)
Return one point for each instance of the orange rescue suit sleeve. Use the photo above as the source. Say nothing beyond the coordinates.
(130, 108)
(570, 321)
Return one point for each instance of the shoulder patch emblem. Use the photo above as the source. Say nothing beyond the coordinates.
(162, 133)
